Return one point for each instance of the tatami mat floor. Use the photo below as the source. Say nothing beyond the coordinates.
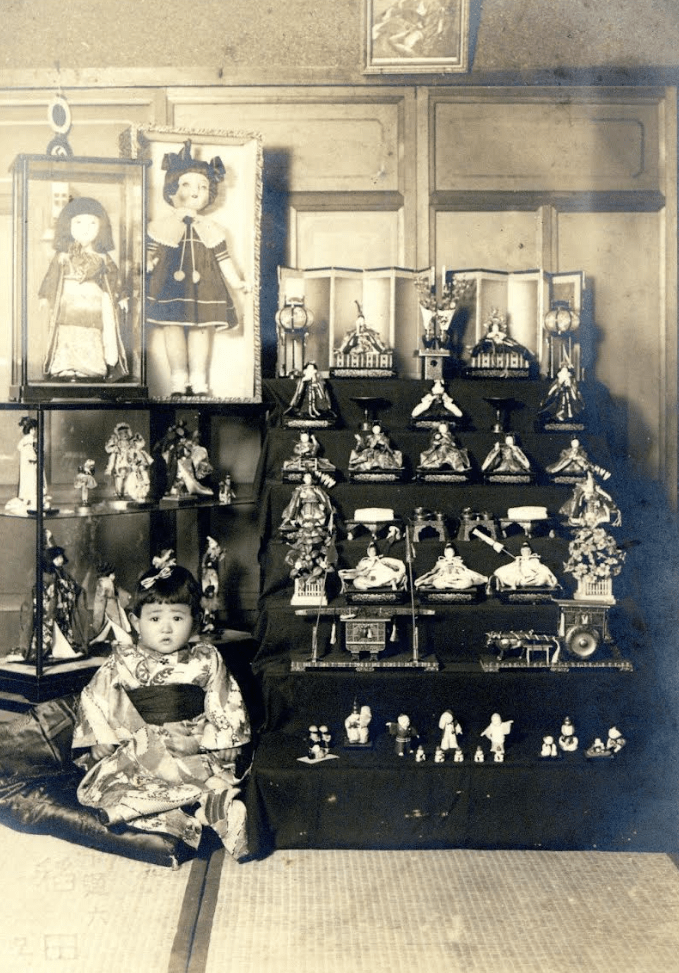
(68, 909)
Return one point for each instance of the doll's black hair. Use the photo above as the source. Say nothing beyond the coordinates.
(176, 586)
(27, 423)
(76, 207)
(177, 164)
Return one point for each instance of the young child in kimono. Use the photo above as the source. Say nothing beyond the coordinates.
(162, 722)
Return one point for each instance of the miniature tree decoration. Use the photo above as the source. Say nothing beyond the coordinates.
(595, 558)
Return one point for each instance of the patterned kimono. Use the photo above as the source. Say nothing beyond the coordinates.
(169, 761)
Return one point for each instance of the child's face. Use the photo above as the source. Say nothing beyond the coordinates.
(85, 228)
(193, 191)
(164, 628)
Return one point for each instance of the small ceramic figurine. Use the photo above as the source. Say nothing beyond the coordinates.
(306, 459)
(190, 271)
(26, 500)
(209, 582)
(506, 457)
(590, 505)
(568, 741)
(227, 494)
(479, 755)
(357, 726)
(82, 290)
(375, 571)
(109, 612)
(451, 730)
(458, 756)
(597, 749)
(84, 481)
(373, 451)
(439, 756)
(404, 733)
(450, 573)
(437, 403)
(615, 740)
(444, 453)
(326, 739)
(310, 403)
(118, 448)
(315, 748)
(525, 571)
(497, 731)
(185, 462)
(563, 403)
(420, 755)
(548, 747)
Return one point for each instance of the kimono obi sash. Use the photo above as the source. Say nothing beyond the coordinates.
(168, 704)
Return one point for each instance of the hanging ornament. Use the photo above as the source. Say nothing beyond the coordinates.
(195, 276)
(179, 275)
(59, 118)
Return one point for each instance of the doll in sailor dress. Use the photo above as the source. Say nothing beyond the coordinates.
(190, 271)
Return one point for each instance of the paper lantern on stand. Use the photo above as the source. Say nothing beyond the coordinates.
(293, 322)
(560, 323)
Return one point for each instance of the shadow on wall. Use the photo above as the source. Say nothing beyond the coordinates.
(273, 253)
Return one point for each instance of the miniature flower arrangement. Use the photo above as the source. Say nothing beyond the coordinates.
(595, 558)
(437, 312)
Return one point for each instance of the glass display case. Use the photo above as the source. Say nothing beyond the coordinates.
(79, 283)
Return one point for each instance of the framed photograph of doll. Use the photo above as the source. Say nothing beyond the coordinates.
(416, 36)
(78, 313)
(202, 262)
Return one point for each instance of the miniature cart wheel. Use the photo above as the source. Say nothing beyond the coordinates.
(582, 641)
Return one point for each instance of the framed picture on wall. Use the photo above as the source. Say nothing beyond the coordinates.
(416, 36)
(202, 262)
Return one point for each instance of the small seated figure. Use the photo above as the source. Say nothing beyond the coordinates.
(506, 458)
(436, 403)
(420, 755)
(563, 402)
(525, 571)
(451, 730)
(568, 741)
(458, 756)
(361, 339)
(479, 755)
(497, 731)
(548, 748)
(450, 573)
(615, 741)
(439, 756)
(373, 451)
(311, 401)
(375, 571)
(574, 462)
(444, 453)
(497, 344)
(404, 733)
(590, 505)
(309, 506)
(357, 726)
(305, 458)
(597, 749)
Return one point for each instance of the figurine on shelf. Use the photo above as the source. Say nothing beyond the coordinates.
(506, 459)
(373, 451)
(563, 403)
(309, 506)
(118, 447)
(548, 748)
(568, 741)
(615, 740)
(26, 499)
(404, 733)
(310, 403)
(450, 573)
(191, 272)
(496, 354)
(361, 339)
(178, 449)
(420, 755)
(186, 482)
(525, 571)
(479, 755)
(375, 571)
(65, 615)
(439, 756)
(435, 404)
(84, 481)
(109, 612)
(138, 479)
(357, 726)
(597, 749)
(227, 494)
(82, 290)
(444, 453)
(451, 730)
(209, 583)
(306, 459)
(497, 731)
(573, 461)
(590, 505)
(200, 461)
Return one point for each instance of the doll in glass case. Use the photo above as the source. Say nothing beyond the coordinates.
(82, 291)
(109, 611)
(26, 500)
(85, 482)
(191, 274)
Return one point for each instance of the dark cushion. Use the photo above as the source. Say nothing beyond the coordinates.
(38, 783)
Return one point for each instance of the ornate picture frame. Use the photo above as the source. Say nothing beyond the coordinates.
(233, 162)
(416, 36)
